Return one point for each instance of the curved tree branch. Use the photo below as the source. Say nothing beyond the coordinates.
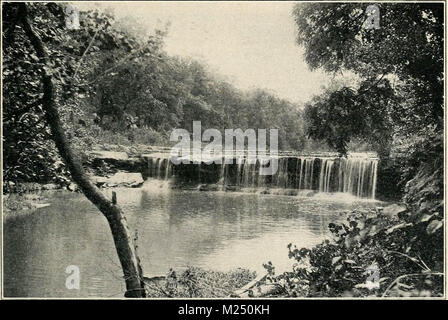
(114, 215)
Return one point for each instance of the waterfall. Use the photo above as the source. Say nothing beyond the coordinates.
(282, 173)
(311, 174)
(261, 181)
(358, 176)
(355, 174)
(246, 169)
(300, 173)
(247, 173)
(168, 169)
(160, 168)
(222, 176)
(306, 173)
(254, 174)
(240, 162)
(322, 175)
(374, 176)
(325, 175)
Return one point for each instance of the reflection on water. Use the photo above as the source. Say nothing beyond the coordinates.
(215, 230)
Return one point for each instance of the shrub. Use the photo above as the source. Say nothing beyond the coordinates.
(408, 253)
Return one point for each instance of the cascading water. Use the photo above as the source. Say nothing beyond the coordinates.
(160, 168)
(325, 175)
(356, 175)
(168, 169)
(222, 176)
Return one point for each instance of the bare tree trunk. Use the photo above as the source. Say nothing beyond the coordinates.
(114, 215)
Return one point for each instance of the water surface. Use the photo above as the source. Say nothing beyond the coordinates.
(176, 229)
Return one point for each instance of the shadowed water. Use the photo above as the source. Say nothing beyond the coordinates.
(176, 228)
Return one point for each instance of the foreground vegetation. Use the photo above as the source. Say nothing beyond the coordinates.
(199, 283)
(399, 251)
(383, 252)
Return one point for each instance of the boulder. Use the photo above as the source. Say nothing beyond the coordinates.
(114, 155)
(50, 186)
(393, 210)
(72, 187)
(209, 187)
(120, 179)
(40, 205)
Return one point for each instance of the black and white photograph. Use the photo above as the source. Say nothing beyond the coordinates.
(211, 150)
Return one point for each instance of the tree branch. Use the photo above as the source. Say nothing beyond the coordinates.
(373, 85)
(84, 53)
(113, 213)
(397, 280)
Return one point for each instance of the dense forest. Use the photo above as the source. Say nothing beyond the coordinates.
(115, 85)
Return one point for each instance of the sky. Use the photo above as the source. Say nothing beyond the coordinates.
(250, 44)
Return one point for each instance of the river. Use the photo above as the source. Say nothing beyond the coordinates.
(176, 229)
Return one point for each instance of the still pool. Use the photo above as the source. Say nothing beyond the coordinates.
(176, 229)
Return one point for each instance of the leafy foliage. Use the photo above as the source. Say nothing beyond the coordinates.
(397, 244)
(29, 154)
(339, 116)
(397, 105)
(334, 39)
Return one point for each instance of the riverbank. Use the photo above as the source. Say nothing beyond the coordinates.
(19, 204)
(196, 282)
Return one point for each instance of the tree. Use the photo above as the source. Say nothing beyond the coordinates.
(339, 116)
(399, 97)
(29, 154)
(133, 274)
(406, 54)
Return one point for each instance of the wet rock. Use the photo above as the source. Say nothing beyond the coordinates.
(209, 187)
(114, 155)
(40, 205)
(393, 210)
(231, 188)
(120, 179)
(50, 186)
(102, 162)
(72, 187)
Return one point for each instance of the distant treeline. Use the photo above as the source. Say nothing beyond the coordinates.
(160, 93)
